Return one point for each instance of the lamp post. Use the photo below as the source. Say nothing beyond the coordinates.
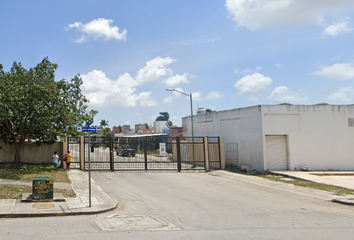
(191, 101)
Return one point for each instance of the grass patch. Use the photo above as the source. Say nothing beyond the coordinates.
(296, 182)
(15, 191)
(27, 172)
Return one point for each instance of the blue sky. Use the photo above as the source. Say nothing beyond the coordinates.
(227, 53)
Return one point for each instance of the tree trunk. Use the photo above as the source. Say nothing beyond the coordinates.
(18, 153)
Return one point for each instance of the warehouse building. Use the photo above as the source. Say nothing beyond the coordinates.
(282, 137)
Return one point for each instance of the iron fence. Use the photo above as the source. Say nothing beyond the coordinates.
(158, 153)
(74, 148)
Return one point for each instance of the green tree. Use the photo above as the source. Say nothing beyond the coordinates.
(164, 117)
(104, 123)
(120, 129)
(147, 126)
(33, 106)
(208, 110)
(107, 132)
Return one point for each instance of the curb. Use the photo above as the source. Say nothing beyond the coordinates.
(58, 214)
(345, 201)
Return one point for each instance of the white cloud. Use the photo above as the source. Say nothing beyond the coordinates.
(345, 95)
(342, 71)
(154, 69)
(197, 96)
(278, 65)
(102, 91)
(249, 71)
(337, 28)
(214, 95)
(251, 84)
(98, 29)
(285, 94)
(145, 100)
(260, 14)
(177, 79)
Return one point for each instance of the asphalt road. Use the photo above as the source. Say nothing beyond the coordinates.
(158, 205)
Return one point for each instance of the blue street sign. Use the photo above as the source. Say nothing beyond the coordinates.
(87, 129)
(89, 122)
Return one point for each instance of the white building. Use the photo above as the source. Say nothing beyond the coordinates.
(282, 137)
(159, 126)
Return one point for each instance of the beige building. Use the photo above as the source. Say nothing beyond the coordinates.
(282, 137)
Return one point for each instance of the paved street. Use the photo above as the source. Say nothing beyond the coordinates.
(214, 205)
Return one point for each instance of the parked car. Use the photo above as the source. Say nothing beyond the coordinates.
(125, 150)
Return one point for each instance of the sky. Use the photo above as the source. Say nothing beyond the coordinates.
(226, 53)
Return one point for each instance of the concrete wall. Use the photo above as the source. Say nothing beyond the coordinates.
(238, 127)
(31, 153)
(319, 136)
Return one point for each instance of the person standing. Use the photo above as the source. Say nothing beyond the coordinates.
(55, 161)
(68, 160)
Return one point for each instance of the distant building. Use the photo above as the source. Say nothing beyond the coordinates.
(126, 128)
(115, 129)
(140, 128)
(160, 126)
(175, 131)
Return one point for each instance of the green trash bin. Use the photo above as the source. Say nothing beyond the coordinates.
(42, 188)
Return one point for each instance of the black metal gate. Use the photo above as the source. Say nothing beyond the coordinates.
(74, 148)
(158, 153)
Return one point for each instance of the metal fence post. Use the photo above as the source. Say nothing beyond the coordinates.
(111, 155)
(178, 145)
(145, 154)
(219, 153)
(206, 154)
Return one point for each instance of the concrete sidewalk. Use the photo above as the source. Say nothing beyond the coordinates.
(100, 201)
(342, 179)
(337, 178)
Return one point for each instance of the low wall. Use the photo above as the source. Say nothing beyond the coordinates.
(31, 152)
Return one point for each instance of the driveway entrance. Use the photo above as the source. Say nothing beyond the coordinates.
(152, 153)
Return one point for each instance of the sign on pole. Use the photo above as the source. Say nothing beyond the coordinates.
(88, 129)
(89, 122)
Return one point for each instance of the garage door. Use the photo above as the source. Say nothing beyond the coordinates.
(276, 153)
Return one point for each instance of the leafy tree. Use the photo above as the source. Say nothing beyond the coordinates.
(33, 106)
(120, 129)
(107, 132)
(104, 123)
(208, 110)
(147, 126)
(164, 117)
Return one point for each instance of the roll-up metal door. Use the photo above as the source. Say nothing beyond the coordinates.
(276, 152)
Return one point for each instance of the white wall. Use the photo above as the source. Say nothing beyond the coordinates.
(237, 126)
(318, 135)
(160, 125)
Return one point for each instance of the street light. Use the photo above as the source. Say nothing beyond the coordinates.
(191, 100)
